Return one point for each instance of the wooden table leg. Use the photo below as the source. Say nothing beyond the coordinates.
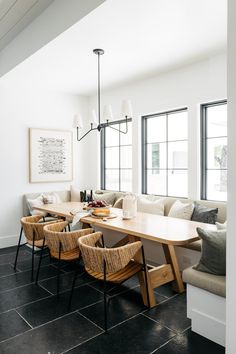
(171, 258)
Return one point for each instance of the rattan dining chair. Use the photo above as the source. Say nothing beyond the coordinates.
(62, 245)
(115, 265)
(34, 234)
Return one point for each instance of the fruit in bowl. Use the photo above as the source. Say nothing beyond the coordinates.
(99, 208)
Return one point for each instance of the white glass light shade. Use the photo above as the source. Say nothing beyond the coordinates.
(107, 113)
(78, 121)
(126, 109)
(94, 119)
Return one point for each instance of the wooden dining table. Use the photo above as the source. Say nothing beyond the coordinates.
(167, 231)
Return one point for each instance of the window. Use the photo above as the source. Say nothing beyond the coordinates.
(214, 151)
(165, 154)
(116, 158)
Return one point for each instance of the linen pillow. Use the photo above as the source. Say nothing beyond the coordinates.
(204, 214)
(213, 254)
(74, 194)
(51, 198)
(109, 198)
(181, 210)
(221, 226)
(37, 202)
(119, 203)
(151, 206)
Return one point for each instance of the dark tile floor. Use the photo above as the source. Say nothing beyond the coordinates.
(33, 320)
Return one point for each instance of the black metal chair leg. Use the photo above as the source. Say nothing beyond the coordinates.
(18, 247)
(72, 289)
(68, 227)
(59, 270)
(105, 297)
(40, 260)
(32, 260)
(145, 274)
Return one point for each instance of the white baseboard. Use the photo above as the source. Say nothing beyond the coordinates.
(208, 326)
(8, 241)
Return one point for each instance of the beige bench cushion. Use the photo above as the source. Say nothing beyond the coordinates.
(196, 245)
(213, 283)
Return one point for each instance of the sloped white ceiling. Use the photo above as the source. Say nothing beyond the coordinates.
(15, 15)
(140, 38)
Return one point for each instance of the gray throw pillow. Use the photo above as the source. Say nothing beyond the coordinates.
(213, 255)
(204, 214)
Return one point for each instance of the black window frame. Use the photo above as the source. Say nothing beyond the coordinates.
(203, 145)
(144, 148)
(103, 152)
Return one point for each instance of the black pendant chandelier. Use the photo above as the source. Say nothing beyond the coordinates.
(97, 124)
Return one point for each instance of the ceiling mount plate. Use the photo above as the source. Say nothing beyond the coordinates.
(98, 51)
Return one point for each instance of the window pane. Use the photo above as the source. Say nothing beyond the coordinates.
(126, 156)
(177, 154)
(156, 129)
(178, 126)
(156, 182)
(112, 179)
(112, 137)
(178, 183)
(126, 180)
(217, 153)
(156, 155)
(217, 185)
(126, 139)
(217, 120)
(112, 157)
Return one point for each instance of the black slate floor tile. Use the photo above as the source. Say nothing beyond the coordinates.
(120, 308)
(55, 337)
(6, 269)
(10, 250)
(190, 343)
(165, 290)
(11, 324)
(50, 308)
(66, 280)
(138, 335)
(116, 289)
(171, 313)
(23, 265)
(23, 278)
(20, 296)
(10, 257)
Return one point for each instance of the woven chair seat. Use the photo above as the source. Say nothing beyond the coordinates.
(120, 276)
(67, 255)
(37, 243)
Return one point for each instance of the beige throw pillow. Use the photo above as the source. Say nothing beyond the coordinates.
(37, 202)
(74, 194)
(151, 206)
(51, 198)
(181, 210)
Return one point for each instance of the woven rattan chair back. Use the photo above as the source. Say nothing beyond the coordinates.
(33, 228)
(55, 235)
(115, 258)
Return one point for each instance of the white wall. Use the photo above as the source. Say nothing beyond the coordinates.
(187, 87)
(231, 240)
(20, 110)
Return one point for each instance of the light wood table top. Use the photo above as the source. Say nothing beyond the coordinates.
(157, 228)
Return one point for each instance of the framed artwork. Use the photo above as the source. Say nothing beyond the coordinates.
(51, 155)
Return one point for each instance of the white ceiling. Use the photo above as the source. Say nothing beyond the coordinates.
(140, 38)
(15, 15)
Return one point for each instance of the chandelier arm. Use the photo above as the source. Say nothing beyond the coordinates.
(80, 138)
(119, 130)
